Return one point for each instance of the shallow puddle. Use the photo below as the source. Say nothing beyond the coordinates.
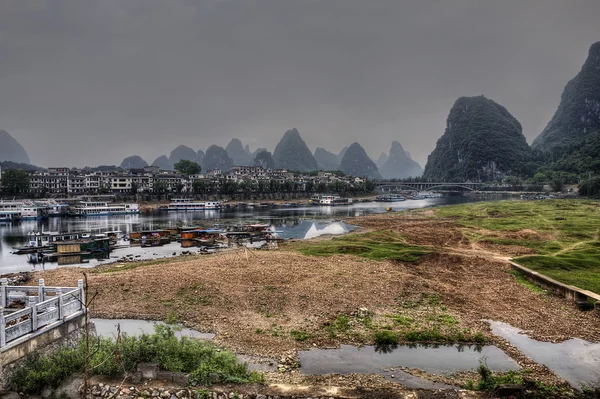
(107, 328)
(575, 360)
(440, 360)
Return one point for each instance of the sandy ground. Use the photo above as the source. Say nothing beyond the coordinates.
(253, 300)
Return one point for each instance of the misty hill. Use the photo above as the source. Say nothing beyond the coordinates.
(163, 163)
(265, 160)
(11, 150)
(238, 153)
(356, 162)
(257, 151)
(326, 160)
(383, 157)
(399, 165)
(482, 141)
(183, 152)
(341, 154)
(23, 166)
(133, 162)
(578, 113)
(216, 158)
(200, 157)
(292, 153)
(581, 159)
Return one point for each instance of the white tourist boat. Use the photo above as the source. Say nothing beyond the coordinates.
(10, 210)
(329, 200)
(89, 208)
(184, 205)
(389, 198)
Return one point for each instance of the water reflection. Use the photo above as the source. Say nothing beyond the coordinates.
(575, 360)
(441, 359)
(301, 222)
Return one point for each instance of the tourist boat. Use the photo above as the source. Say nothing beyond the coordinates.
(10, 211)
(39, 241)
(10, 216)
(53, 208)
(33, 212)
(185, 205)
(329, 200)
(389, 198)
(88, 208)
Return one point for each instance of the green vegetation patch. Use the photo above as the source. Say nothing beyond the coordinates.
(563, 233)
(201, 359)
(579, 266)
(378, 245)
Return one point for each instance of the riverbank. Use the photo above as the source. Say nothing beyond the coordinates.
(431, 283)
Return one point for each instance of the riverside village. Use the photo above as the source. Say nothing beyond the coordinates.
(411, 239)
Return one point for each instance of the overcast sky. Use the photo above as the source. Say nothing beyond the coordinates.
(87, 82)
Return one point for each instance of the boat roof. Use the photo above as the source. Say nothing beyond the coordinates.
(208, 231)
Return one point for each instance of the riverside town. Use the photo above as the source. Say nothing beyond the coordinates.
(166, 232)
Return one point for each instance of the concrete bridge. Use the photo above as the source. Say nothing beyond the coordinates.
(386, 185)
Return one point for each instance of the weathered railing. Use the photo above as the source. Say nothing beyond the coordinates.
(44, 308)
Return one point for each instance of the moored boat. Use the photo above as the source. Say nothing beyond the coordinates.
(185, 205)
(89, 208)
(389, 198)
(329, 200)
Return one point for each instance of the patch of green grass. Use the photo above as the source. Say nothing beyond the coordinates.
(563, 233)
(195, 295)
(579, 267)
(300, 336)
(385, 338)
(377, 245)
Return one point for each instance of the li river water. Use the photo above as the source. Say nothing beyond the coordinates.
(302, 222)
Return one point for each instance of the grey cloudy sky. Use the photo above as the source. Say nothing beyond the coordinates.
(90, 82)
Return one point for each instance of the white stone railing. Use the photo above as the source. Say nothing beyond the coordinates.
(45, 308)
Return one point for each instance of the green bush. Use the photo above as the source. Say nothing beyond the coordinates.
(203, 360)
(386, 337)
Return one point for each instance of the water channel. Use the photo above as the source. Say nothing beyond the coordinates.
(300, 223)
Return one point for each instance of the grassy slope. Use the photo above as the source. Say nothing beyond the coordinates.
(568, 249)
(377, 245)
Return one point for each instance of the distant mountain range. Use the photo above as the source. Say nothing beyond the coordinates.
(482, 141)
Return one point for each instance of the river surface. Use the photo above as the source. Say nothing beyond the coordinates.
(299, 223)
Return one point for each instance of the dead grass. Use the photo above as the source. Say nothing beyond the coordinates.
(253, 303)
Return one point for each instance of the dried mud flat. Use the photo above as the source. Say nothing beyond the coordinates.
(254, 301)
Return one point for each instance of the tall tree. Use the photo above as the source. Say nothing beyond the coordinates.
(187, 168)
(15, 181)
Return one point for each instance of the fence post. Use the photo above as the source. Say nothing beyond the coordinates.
(61, 303)
(81, 294)
(34, 321)
(2, 330)
(3, 292)
(41, 290)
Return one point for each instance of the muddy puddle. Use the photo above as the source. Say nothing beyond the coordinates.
(439, 360)
(575, 360)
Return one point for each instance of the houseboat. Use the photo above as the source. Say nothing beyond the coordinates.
(150, 238)
(53, 208)
(185, 205)
(329, 200)
(389, 198)
(33, 212)
(10, 211)
(86, 208)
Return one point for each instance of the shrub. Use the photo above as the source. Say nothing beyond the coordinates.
(386, 337)
(203, 360)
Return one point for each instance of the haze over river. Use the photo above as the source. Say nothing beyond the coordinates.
(299, 223)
